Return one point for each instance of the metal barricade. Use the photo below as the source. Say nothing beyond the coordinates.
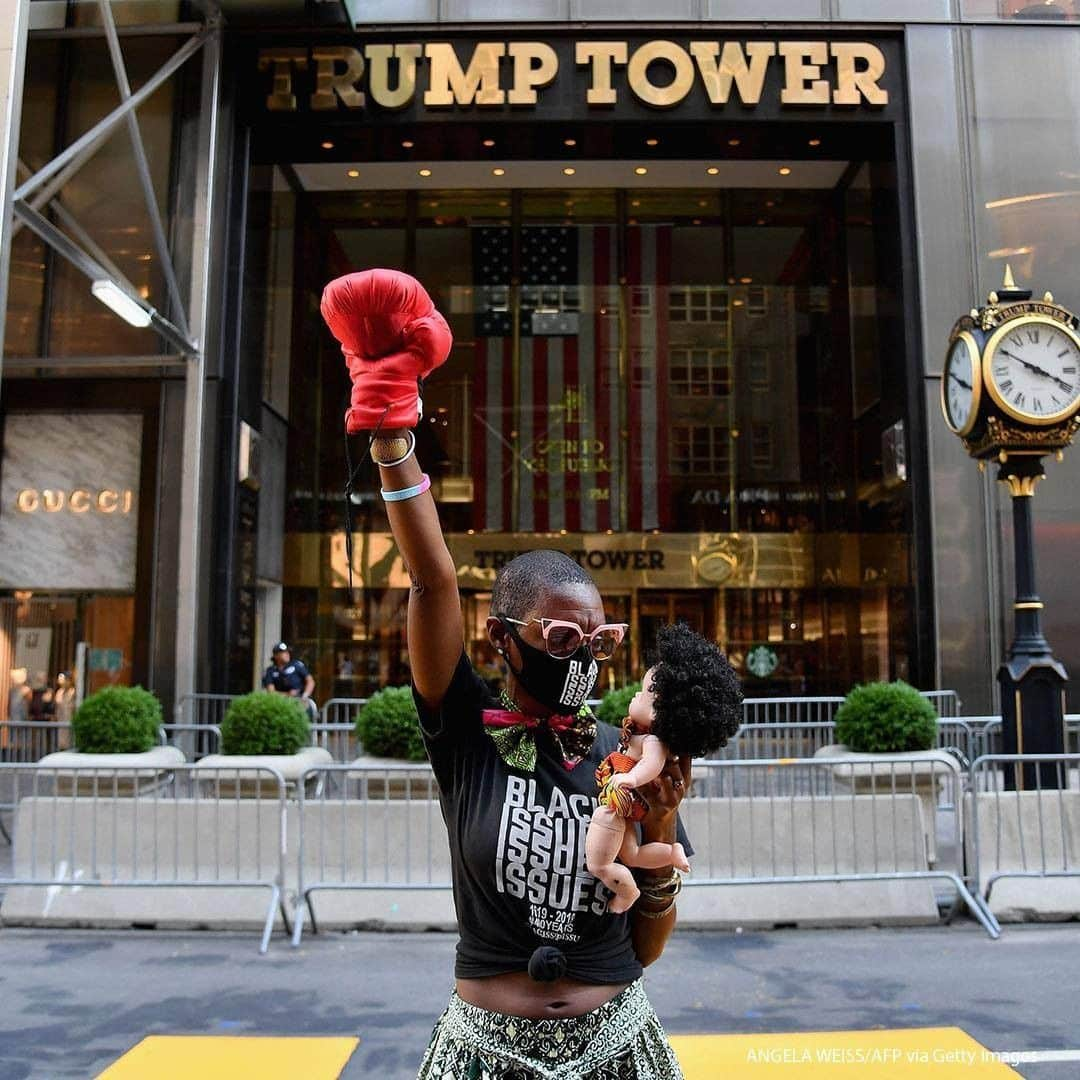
(788, 821)
(778, 740)
(1033, 832)
(29, 740)
(199, 709)
(341, 710)
(790, 710)
(945, 702)
(382, 829)
(195, 741)
(989, 728)
(77, 828)
(339, 739)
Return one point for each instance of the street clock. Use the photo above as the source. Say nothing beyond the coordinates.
(1010, 389)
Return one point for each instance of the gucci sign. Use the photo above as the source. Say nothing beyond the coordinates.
(76, 501)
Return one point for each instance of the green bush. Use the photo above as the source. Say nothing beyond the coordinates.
(117, 720)
(615, 704)
(884, 718)
(262, 723)
(387, 726)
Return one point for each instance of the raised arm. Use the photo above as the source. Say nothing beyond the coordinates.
(435, 629)
(391, 337)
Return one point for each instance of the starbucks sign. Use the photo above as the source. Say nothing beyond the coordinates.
(762, 661)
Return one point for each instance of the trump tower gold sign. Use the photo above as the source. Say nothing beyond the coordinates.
(595, 75)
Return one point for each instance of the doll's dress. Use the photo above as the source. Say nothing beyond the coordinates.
(625, 801)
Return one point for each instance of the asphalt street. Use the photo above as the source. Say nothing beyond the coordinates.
(74, 1001)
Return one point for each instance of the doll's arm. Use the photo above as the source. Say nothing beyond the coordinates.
(651, 765)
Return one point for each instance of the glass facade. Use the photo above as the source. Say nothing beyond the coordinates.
(692, 390)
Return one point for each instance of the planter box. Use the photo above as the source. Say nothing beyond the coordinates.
(145, 772)
(919, 772)
(231, 775)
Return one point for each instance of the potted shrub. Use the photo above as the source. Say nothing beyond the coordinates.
(893, 720)
(615, 704)
(116, 728)
(267, 730)
(387, 727)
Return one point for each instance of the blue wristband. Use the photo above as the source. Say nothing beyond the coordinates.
(407, 493)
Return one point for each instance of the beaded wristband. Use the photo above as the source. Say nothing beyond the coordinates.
(404, 457)
(409, 492)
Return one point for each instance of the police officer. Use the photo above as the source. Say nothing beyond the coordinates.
(288, 676)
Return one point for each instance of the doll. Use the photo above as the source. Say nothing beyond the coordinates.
(689, 703)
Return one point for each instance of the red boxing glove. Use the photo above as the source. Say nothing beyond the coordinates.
(391, 336)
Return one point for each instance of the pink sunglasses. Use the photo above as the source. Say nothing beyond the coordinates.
(563, 639)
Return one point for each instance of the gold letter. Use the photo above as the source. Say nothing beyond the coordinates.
(851, 84)
(53, 500)
(27, 500)
(748, 78)
(282, 99)
(449, 84)
(107, 500)
(802, 63)
(127, 501)
(330, 82)
(79, 501)
(529, 75)
(379, 75)
(663, 97)
(601, 54)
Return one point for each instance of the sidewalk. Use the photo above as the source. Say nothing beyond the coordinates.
(76, 1001)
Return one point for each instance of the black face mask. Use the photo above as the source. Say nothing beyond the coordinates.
(562, 685)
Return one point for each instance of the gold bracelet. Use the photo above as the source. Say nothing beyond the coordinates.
(665, 889)
(662, 913)
(390, 451)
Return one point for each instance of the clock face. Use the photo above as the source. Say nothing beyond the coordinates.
(961, 384)
(1032, 368)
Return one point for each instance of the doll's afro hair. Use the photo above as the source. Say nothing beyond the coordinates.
(698, 698)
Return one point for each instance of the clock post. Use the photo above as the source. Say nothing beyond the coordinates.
(1011, 391)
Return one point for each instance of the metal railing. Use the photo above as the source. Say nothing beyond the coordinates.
(195, 741)
(82, 827)
(818, 710)
(196, 710)
(785, 821)
(803, 740)
(1029, 833)
(382, 830)
(28, 740)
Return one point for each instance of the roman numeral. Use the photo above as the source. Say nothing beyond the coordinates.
(1055, 401)
(1068, 388)
(1019, 399)
(1001, 371)
(1064, 352)
(1033, 337)
(1006, 386)
(1017, 340)
(1069, 370)
(1036, 404)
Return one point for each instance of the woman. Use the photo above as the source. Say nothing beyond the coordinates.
(547, 980)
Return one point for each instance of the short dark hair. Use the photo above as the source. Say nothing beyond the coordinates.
(520, 584)
(698, 696)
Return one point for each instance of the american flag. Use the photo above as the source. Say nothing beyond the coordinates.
(562, 433)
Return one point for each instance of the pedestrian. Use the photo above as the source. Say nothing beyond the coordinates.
(548, 983)
(288, 676)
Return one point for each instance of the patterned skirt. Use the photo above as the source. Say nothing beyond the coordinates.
(621, 1040)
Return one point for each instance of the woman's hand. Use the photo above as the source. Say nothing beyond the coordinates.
(664, 794)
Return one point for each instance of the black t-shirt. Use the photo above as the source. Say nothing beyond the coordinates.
(291, 677)
(517, 846)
